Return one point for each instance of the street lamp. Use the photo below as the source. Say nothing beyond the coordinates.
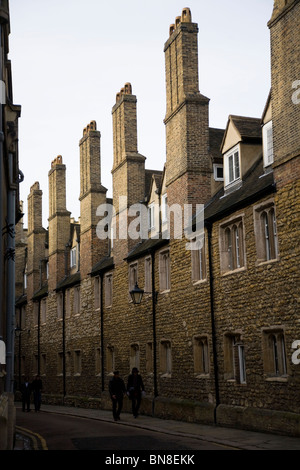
(136, 294)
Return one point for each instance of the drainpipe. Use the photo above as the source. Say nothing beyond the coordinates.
(212, 314)
(154, 325)
(101, 332)
(10, 303)
(64, 342)
(1, 201)
(39, 333)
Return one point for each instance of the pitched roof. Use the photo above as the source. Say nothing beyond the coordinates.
(69, 281)
(146, 246)
(215, 141)
(104, 264)
(249, 128)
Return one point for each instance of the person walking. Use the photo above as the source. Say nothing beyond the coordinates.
(26, 394)
(135, 389)
(37, 386)
(117, 390)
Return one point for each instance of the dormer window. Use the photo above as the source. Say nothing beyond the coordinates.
(268, 144)
(232, 165)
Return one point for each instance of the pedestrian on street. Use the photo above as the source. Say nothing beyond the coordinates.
(135, 389)
(37, 386)
(26, 394)
(117, 390)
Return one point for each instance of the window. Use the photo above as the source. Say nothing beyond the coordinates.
(98, 361)
(35, 313)
(60, 305)
(73, 256)
(43, 364)
(164, 270)
(151, 215)
(274, 353)
(268, 144)
(97, 292)
(43, 310)
(232, 166)
(77, 305)
(201, 359)
(148, 275)
(164, 208)
(110, 359)
(232, 245)
(198, 261)
(234, 358)
(108, 290)
(266, 232)
(133, 276)
(60, 362)
(218, 172)
(25, 278)
(149, 357)
(165, 358)
(134, 356)
(77, 362)
(68, 303)
(47, 270)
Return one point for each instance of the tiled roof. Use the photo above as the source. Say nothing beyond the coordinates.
(255, 184)
(69, 281)
(103, 265)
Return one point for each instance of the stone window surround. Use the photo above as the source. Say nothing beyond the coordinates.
(268, 353)
(164, 271)
(258, 210)
(201, 356)
(234, 358)
(235, 220)
(134, 355)
(198, 259)
(165, 358)
(108, 286)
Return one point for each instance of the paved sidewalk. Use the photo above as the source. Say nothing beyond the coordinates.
(236, 438)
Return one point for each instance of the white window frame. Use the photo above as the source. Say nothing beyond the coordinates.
(268, 149)
(73, 257)
(216, 168)
(231, 156)
(164, 205)
(151, 216)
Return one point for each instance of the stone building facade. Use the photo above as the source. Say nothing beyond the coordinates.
(10, 177)
(216, 334)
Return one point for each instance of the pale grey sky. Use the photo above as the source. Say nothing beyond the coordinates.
(71, 57)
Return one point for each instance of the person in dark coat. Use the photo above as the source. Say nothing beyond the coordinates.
(37, 387)
(117, 390)
(135, 388)
(26, 394)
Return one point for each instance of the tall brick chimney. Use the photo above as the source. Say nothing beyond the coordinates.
(92, 195)
(129, 166)
(285, 74)
(35, 239)
(187, 127)
(59, 222)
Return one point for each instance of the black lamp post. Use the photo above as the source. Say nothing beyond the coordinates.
(136, 294)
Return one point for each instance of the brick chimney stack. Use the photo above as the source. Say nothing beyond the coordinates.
(129, 165)
(59, 222)
(92, 195)
(36, 239)
(187, 128)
